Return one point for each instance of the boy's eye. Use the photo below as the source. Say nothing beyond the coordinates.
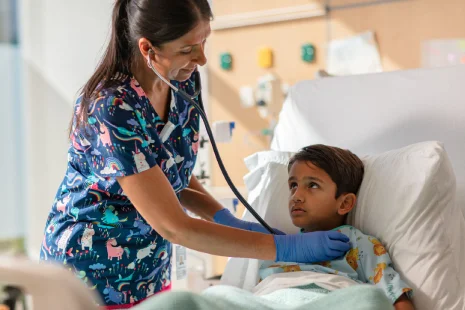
(313, 185)
(186, 52)
(292, 185)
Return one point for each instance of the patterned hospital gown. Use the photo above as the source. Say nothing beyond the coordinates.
(367, 262)
(93, 229)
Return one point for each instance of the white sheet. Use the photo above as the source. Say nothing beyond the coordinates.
(292, 279)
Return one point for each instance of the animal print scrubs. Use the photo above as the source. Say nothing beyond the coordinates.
(93, 229)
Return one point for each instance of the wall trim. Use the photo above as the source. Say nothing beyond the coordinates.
(267, 16)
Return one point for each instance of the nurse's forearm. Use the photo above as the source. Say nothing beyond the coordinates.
(224, 241)
(153, 197)
(202, 204)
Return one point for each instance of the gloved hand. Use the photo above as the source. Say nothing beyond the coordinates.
(311, 247)
(224, 217)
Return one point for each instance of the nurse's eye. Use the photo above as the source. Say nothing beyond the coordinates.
(186, 52)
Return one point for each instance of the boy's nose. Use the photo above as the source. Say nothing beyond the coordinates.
(297, 197)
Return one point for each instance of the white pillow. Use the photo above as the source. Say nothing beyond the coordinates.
(268, 190)
(406, 199)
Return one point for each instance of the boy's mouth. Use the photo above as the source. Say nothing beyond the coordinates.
(297, 210)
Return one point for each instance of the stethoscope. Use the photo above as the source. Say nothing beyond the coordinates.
(190, 98)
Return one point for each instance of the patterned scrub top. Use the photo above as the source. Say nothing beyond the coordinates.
(93, 229)
(367, 262)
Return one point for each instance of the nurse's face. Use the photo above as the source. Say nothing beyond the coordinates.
(176, 60)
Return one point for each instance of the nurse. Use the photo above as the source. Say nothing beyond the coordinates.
(133, 147)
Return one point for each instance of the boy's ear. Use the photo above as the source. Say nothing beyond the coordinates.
(347, 203)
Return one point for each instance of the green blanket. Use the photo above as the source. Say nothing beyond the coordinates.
(361, 297)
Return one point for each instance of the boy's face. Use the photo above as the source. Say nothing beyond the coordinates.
(312, 202)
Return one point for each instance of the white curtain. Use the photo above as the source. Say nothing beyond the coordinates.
(11, 152)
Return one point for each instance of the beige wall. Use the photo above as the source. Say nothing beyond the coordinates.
(224, 7)
(400, 29)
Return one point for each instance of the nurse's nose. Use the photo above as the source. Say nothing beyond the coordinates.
(200, 57)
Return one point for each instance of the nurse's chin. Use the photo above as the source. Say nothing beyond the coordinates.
(183, 75)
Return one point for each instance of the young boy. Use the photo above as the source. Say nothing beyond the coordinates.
(323, 183)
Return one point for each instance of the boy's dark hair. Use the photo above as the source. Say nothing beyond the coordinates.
(344, 167)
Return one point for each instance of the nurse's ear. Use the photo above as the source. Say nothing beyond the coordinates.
(147, 50)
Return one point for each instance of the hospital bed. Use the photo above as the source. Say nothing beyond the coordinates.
(412, 196)
(381, 117)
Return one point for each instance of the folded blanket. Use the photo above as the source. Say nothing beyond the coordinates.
(302, 279)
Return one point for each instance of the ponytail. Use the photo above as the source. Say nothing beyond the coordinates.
(117, 59)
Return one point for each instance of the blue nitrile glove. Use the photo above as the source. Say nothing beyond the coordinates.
(318, 246)
(224, 217)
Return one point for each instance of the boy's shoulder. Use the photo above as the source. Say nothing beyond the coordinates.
(348, 230)
(356, 234)
(361, 241)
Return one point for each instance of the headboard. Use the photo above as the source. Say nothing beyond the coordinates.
(378, 112)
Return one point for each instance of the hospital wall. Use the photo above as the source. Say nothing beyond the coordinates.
(11, 164)
(60, 43)
(400, 29)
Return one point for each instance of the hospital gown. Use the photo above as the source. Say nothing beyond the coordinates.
(367, 262)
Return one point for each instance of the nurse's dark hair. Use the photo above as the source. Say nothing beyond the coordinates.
(343, 166)
(159, 21)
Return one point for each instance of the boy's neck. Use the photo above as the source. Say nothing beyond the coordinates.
(329, 225)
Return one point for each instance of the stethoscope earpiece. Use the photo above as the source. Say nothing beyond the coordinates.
(148, 58)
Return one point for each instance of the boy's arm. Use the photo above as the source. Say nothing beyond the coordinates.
(403, 303)
(377, 268)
